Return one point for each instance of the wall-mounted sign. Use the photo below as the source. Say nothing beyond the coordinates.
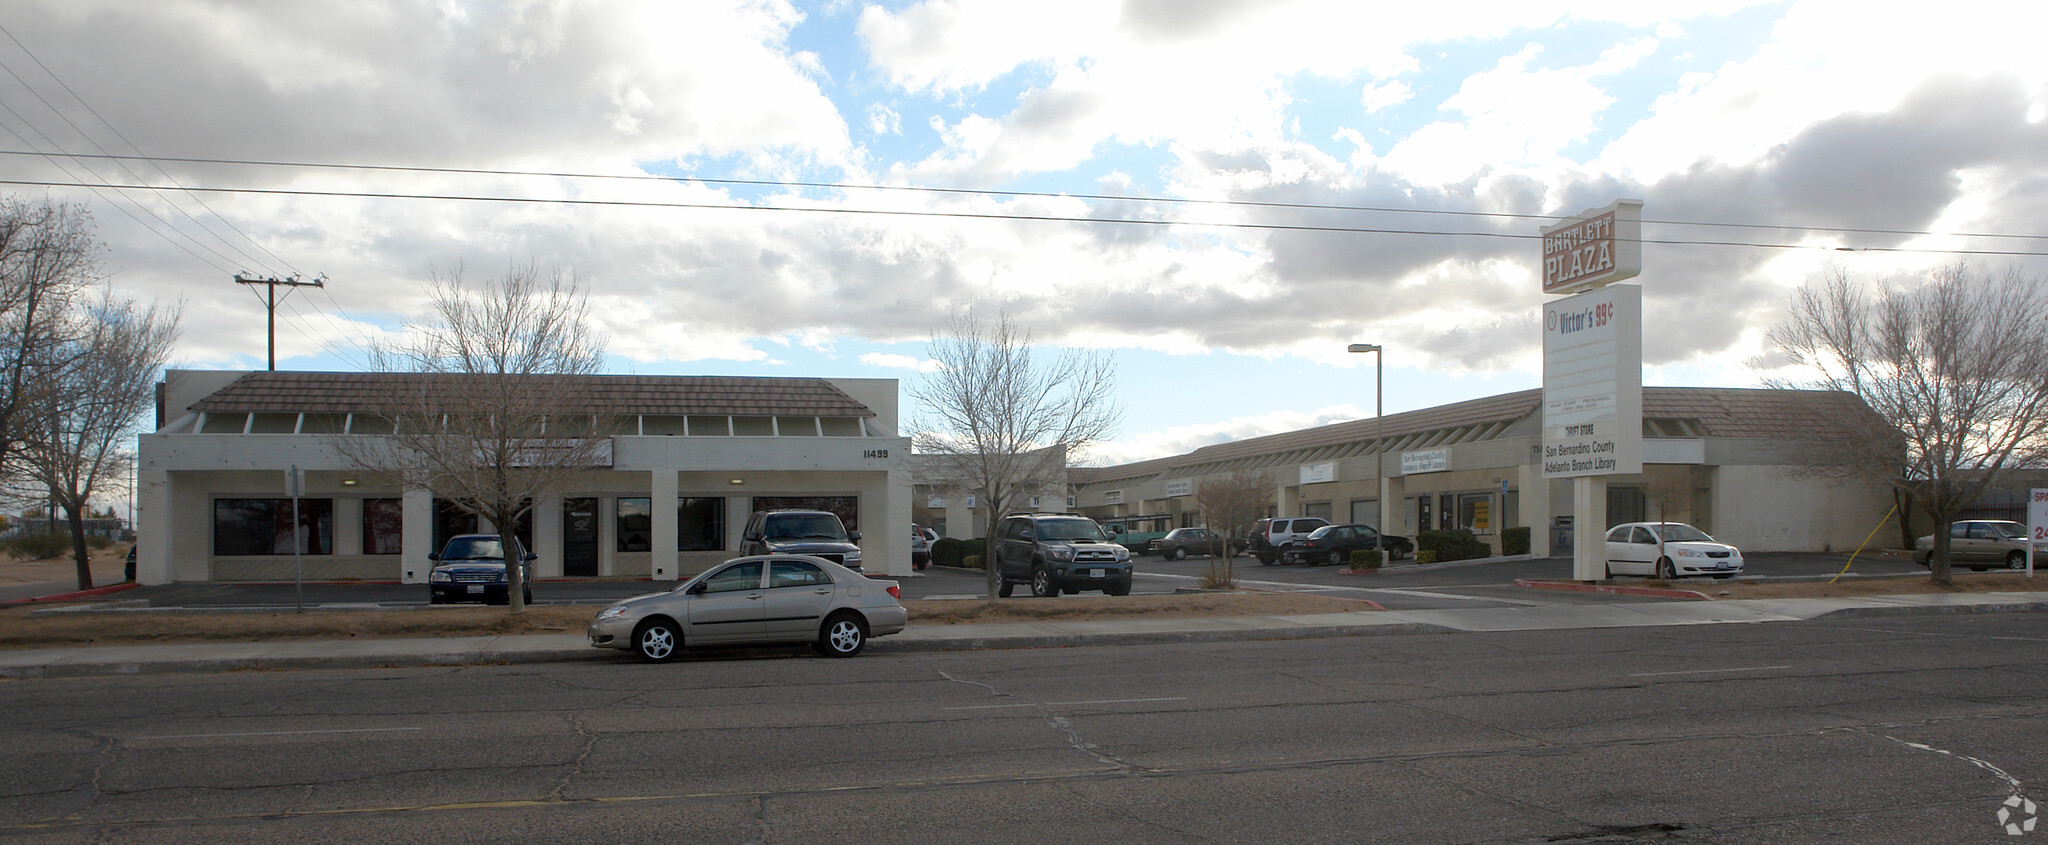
(1599, 247)
(935, 502)
(1593, 383)
(970, 501)
(1180, 487)
(1319, 473)
(1112, 497)
(1425, 460)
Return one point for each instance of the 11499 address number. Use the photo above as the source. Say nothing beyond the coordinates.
(874, 453)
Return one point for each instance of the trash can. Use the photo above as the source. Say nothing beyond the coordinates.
(1560, 536)
(131, 563)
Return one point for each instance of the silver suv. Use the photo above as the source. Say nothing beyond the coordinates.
(1273, 538)
(1059, 552)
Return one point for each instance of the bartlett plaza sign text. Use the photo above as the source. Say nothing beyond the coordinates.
(1599, 247)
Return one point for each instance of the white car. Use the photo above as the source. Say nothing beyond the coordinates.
(1669, 550)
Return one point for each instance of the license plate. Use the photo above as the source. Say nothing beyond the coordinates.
(1094, 573)
(476, 588)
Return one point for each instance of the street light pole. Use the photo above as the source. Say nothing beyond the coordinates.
(1379, 530)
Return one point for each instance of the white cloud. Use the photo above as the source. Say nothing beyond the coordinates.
(1385, 95)
(892, 361)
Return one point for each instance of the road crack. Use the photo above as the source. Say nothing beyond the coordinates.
(1058, 722)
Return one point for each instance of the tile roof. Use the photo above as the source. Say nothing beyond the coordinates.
(334, 393)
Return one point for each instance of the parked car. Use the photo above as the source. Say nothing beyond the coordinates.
(1981, 544)
(472, 568)
(758, 600)
(1059, 552)
(1634, 549)
(1333, 544)
(920, 547)
(1181, 542)
(801, 532)
(1273, 538)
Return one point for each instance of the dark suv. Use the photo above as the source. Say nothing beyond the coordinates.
(1059, 552)
(794, 532)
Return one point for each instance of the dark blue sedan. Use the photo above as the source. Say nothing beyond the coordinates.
(472, 568)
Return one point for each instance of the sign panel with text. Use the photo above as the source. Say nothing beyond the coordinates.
(1593, 383)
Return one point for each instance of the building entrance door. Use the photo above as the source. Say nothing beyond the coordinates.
(579, 537)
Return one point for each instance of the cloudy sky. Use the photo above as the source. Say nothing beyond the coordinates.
(1221, 194)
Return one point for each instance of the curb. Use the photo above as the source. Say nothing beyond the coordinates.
(74, 596)
(1934, 610)
(1573, 586)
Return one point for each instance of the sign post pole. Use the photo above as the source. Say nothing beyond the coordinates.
(2037, 523)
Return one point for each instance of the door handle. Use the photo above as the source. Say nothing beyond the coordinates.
(753, 596)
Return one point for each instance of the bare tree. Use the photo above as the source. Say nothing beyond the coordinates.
(493, 411)
(82, 408)
(1229, 506)
(1955, 369)
(1000, 424)
(48, 253)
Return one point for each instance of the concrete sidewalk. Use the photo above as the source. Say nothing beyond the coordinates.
(455, 651)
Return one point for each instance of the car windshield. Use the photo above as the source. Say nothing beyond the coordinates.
(474, 548)
(1675, 532)
(1320, 533)
(804, 526)
(1070, 529)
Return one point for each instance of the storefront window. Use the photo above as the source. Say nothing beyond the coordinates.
(383, 526)
(636, 524)
(1475, 512)
(700, 524)
(264, 527)
(1316, 509)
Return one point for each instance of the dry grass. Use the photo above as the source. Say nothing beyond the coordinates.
(19, 630)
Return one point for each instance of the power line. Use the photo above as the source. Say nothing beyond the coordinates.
(116, 202)
(966, 215)
(769, 183)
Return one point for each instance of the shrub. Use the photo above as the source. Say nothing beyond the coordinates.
(41, 545)
(1425, 556)
(1365, 558)
(99, 541)
(1456, 544)
(1515, 541)
(946, 551)
(972, 562)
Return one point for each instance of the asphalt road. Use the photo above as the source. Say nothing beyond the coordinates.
(1876, 730)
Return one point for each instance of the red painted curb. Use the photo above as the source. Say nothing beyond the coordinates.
(1606, 588)
(74, 596)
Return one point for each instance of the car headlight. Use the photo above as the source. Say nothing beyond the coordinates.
(613, 612)
(853, 556)
(1122, 553)
(1687, 553)
(1062, 553)
(440, 577)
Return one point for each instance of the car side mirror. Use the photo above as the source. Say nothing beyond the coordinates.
(697, 588)
(855, 535)
(434, 556)
(1027, 536)
(530, 556)
(751, 536)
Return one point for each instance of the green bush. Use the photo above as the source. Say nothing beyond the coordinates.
(946, 551)
(41, 545)
(1514, 541)
(1365, 558)
(1425, 556)
(971, 561)
(1456, 544)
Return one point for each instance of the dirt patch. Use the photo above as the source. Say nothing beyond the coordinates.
(1965, 582)
(19, 630)
(109, 566)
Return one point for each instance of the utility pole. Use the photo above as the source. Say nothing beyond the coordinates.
(291, 281)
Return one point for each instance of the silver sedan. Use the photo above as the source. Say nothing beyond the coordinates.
(760, 600)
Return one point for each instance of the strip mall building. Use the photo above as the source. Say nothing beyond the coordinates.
(702, 454)
(1726, 460)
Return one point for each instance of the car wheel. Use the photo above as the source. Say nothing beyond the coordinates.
(843, 635)
(1267, 560)
(1178, 553)
(1041, 583)
(657, 641)
(1665, 570)
(2016, 560)
(1337, 559)
(1120, 588)
(1003, 589)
